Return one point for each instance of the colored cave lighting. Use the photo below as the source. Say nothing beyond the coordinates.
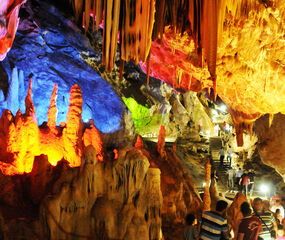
(9, 10)
(142, 118)
(21, 139)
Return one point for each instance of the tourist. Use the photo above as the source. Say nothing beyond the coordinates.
(214, 176)
(239, 173)
(222, 156)
(278, 205)
(229, 155)
(243, 182)
(250, 225)
(251, 176)
(190, 231)
(267, 220)
(231, 174)
(278, 218)
(214, 223)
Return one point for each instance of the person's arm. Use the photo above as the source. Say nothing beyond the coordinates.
(240, 181)
(240, 236)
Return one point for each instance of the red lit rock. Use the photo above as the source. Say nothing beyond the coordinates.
(9, 10)
(161, 141)
(139, 142)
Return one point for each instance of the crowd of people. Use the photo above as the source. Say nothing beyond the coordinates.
(258, 222)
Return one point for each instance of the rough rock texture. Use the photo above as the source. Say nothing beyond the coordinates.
(234, 213)
(52, 111)
(22, 139)
(271, 144)
(9, 10)
(72, 133)
(50, 47)
(93, 137)
(123, 196)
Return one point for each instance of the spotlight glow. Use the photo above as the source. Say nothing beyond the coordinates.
(264, 188)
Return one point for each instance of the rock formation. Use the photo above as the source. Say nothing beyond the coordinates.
(9, 10)
(234, 213)
(271, 143)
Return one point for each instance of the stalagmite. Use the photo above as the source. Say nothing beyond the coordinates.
(234, 213)
(74, 129)
(13, 92)
(92, 137)
(161, 142)
(207, 198)
(139, 142)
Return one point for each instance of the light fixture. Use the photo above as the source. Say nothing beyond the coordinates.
(214, 111)
(223, 108)
(264, 188)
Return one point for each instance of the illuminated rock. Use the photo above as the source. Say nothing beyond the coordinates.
(139, 142)
(92, 137)
(234, 214)
(161, 141)
(130, 206)
(73, 132)
(271, 143)
(9, 10)
(13, 92)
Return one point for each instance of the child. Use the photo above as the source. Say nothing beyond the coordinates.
(190, 231)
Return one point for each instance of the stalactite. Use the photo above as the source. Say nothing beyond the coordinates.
(139, 142)
(161, 142)
(271, 116)
(136, 30)
(111, 27)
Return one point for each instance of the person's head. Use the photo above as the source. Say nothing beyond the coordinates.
(266, 204)
(239, 169)
(257, 205)
(245, 209)
(221, 207)
(189, 219)
(277, 212)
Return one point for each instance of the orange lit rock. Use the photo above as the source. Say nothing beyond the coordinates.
(73, 132)
(207, 197)
(21, 139)
(161, 141)
(92, 137)
(271, 144)
(139, 142)
(234, 213)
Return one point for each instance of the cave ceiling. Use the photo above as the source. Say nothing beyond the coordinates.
(235, 48)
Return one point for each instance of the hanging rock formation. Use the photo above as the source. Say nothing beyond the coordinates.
(9, 10)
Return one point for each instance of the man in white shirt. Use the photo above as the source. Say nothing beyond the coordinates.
(239, 173)
(229, 155)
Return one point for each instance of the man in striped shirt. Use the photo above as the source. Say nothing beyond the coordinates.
(266, 217)
(214, 224)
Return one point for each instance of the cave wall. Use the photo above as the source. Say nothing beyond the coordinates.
(271, 144)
